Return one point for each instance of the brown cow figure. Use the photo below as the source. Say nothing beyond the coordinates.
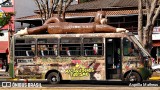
(56, 25)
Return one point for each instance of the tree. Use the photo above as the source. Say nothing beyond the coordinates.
(48, 7)
(5, 19)
(152, 8)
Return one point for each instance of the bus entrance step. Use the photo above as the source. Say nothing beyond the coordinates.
(114, 80)
(114, 76)
(114, 71)
(4, 74)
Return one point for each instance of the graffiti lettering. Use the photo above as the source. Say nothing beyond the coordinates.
(80, 72)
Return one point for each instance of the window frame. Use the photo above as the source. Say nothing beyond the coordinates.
(78, 45)
(102, 42)
(129, 47)
(25, 43)
(49, 49)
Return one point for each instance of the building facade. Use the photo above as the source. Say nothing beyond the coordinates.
(7, 6)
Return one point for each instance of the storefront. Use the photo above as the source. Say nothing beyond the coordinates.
(3, 54)
(155, 52)
(7, 28)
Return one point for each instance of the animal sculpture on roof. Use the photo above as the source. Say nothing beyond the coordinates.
(56, 25)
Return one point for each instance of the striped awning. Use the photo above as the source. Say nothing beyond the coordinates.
(3, 46)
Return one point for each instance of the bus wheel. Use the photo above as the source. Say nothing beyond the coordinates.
(53, 78)
(133, 77)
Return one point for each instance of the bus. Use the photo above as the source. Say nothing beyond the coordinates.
(87, 56)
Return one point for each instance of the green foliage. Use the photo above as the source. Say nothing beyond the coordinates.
(5, 20)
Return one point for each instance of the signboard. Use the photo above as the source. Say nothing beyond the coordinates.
(156, 30)
(2, 14)
(5, 36)
(155, 36)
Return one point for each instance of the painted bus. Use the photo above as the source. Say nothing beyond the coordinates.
(88, 56)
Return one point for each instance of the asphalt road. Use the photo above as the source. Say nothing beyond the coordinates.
(89, 85)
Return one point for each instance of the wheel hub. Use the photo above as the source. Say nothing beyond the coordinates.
(132, 78)
(53, 79)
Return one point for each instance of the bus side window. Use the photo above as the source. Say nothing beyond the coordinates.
(31, 52)
(43, 47)
(89, 49)
(24, 47)
(70, 46)
(92, 46)
(47, 47)
(54, 50)
(95, 49)
(68, 51)
(42, 50)
(128, 48)
(65, 51)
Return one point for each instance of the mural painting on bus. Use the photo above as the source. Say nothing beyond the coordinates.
(131, 63)
(70, 68)
(83, 70)
(34, 69)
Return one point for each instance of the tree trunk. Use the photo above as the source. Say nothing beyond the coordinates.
(60, 4)
(152, 14)
(140, 19)
(147, 40)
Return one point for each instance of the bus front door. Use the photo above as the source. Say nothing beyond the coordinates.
(113, 58)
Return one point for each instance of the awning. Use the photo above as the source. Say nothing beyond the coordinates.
(3, 46)
(156, 43)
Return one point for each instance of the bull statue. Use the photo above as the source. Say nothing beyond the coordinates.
(56, 25)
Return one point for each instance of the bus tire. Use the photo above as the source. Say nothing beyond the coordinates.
(54, 78)
(133, 77)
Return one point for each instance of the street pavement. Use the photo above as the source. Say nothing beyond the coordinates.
(152, 84)
(88, 85)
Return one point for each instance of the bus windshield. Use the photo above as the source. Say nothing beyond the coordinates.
(140, 47)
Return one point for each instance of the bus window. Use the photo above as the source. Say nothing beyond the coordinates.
(24, 47)
(92, 46)
(70, 47)
(54, 51)
(128, 48)
(47, 47)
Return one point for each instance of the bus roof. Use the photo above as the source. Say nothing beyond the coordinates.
(112, 35)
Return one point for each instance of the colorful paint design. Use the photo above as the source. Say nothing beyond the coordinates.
(83, 70)
(70, 68)
(79, 68)
(79, 71)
